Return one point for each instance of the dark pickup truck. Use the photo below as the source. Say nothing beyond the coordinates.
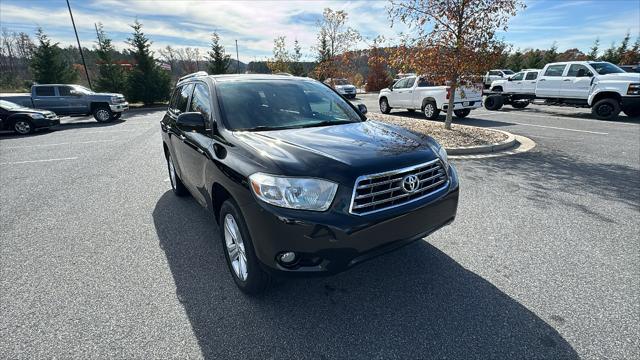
(72, 100)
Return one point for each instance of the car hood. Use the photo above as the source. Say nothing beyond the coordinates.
(620, 77)
(25, 110)
(364, 147)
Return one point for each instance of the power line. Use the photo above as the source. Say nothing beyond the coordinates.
(84, 63)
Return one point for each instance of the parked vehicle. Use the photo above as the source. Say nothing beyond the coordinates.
(343, 87)
(416, 93)
(497, 74)
(512, 88)
(601, 86)
(631, 68)
(299, 181)
(72, 100)
(24, 120)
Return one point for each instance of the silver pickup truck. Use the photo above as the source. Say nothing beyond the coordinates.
(71, 100)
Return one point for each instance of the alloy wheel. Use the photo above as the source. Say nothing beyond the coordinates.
(22, 127)
(383, 105)
(172, 172)
(235, 247)
(428, 110)
(103, 115)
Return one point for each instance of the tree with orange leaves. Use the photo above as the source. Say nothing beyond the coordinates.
(452, 40)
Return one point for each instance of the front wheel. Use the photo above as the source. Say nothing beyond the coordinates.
(384, 106)
(493, 102)
(23, 126)
(102, 114)
(462, 113)
(431, 112)
(606, 109)
(239, 252)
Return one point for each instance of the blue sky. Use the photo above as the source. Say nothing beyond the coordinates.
(571, 23)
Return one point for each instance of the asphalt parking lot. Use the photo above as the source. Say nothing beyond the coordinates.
(98, 259)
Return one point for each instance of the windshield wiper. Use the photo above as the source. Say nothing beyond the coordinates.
(330, 122)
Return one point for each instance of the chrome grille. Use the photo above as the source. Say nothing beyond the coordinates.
(383, 191)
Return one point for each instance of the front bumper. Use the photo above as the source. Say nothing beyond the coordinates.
(46, 122)
(121, 107)
(471, 104)
(328, 243)
(630, 103)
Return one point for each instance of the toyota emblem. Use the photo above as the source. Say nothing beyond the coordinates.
(410, 183)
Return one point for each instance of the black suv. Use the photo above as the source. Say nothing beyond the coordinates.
(297, 178)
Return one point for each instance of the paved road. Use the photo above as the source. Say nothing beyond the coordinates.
(99, 259)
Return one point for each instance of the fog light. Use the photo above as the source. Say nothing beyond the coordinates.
(287, 258)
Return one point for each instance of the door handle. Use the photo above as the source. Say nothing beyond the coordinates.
(566, 80)
(542, 80)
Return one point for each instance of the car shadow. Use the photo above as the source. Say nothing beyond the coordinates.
(416, 302)
(65, 124)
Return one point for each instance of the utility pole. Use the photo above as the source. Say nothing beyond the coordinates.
(84, 63)
(237, 59)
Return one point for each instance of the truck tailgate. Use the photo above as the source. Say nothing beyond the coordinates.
(469, 93)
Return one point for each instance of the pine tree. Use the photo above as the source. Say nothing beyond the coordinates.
(515, 61)
(551, 55)
(295, 68)
(111, 76)
(146, 82)
(218, 60)
(593, 54)
(533, 60)
(48, 63)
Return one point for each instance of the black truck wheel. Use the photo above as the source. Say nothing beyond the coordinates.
(606, 109)
(493, 102)
(462, 113)
(102, 114)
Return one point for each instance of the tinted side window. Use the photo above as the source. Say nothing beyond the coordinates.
(174, 97)
(182, 99)
(574, 68)
(422, 82)
(531, 76)
(64, 90)
(555, 70)
(495, 73)
(517, 76)
(201, 101)
(45, 91)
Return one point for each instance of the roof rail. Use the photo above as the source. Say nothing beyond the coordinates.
(195, 74)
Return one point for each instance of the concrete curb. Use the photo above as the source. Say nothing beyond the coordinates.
(483, 149)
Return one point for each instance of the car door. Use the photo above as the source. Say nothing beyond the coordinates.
(406, 93)
(550, 84)
(529, 82)
(179, 104)
(395, 96)
(194, 154)
(45, 97)
(514, 83)
(577, 82)
(74, 101)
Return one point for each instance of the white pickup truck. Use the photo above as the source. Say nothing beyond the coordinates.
(601, 86)
(416, 93)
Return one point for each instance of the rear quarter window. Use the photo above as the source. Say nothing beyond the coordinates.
(555, 70)
(531, 76)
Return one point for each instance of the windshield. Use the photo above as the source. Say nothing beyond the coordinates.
(82, 89)
(605, 68)
(341, 82)
(281, 104)
(8, 105)
(508, 72)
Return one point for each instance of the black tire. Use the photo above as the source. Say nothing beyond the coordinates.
(462, 113)
(520, 104)
(384, 106)
(632, 113)
(430, 110)
(493, 102)
(23, 126)
(606, 109)
(411, 110)
(497, 89)
(103, 114)
(256, 279)
(176, 183)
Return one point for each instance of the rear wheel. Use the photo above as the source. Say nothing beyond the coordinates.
(103, 114)
(462, 113)
(23, 126)
(384, 106)
(239, 252)
(606, 109)
(431, 112)
(493, 102)
(176, 183)
(520, 104)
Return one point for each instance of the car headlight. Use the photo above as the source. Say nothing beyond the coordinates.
(634, 89)
(293, 193)
(442, 154)
(36, 116)
(115, 99)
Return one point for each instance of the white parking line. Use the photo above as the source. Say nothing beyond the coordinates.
(57, 144)
(37, 161)
(560, 128)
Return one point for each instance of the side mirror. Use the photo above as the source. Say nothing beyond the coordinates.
(362, 108)
(191, 122)
(509, 79)
(75, 93)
